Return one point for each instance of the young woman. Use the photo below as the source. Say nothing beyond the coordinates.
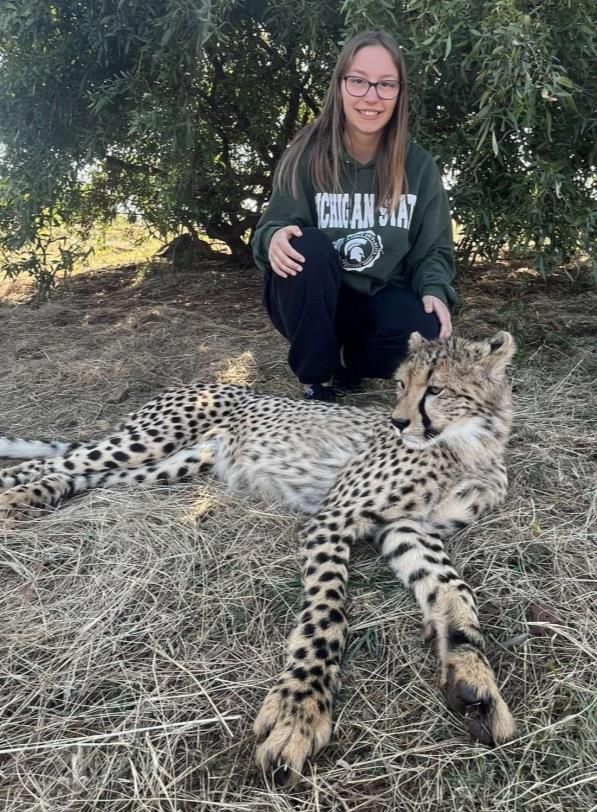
(356, 242)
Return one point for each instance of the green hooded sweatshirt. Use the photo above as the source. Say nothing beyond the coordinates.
(410, 247)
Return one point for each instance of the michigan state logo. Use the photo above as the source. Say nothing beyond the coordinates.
(359, 251)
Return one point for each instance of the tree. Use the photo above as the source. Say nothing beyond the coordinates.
(180, 109)
(170, 108)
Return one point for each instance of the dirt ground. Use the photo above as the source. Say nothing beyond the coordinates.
(139, 630)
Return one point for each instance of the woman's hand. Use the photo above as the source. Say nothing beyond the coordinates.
(432, 304)
(285, 261)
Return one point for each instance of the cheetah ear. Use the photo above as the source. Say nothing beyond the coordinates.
(501, 349)
(415, 342)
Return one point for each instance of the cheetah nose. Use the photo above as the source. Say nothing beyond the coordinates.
(400, 423)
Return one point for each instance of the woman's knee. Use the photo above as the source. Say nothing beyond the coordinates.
(398, 313)
(316, 247)
(425, 323)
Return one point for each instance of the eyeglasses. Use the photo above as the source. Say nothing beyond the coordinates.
(387, 90)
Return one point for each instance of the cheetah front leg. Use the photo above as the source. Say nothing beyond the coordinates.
(416, 555)
(295, 720)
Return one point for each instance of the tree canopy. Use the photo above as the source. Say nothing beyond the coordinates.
(179, 110)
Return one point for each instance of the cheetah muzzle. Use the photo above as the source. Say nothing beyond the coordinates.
(410, 481)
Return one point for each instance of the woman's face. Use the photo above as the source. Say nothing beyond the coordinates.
(368, 115)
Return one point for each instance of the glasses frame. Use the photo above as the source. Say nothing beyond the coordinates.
(369, 86)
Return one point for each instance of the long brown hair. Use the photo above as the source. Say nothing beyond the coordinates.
(325, 135)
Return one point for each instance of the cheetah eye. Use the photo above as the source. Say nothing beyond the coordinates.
(434, 390)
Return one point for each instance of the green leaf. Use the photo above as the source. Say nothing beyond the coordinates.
(448, 47)
(565, 81)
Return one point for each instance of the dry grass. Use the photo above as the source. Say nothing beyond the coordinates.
(140, 630)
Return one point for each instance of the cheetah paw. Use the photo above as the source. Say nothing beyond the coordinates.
(289, 730)
(470, 690)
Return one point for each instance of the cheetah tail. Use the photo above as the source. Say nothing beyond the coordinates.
(19, 449)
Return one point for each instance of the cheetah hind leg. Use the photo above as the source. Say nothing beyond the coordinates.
(35, 452)
(28, 500)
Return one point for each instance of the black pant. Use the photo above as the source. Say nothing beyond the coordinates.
(318, 314)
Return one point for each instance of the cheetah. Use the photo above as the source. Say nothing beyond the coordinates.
(408, 480)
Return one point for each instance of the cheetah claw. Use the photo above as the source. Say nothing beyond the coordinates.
(471, 691)
(288, 731)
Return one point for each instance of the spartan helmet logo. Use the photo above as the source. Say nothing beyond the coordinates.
(359, 251)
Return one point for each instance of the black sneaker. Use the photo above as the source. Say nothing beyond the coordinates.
(346, 380)
(321, 392)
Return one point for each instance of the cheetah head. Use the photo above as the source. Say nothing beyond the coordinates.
(455, 391)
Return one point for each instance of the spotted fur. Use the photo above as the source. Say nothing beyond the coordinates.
(410, 480)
